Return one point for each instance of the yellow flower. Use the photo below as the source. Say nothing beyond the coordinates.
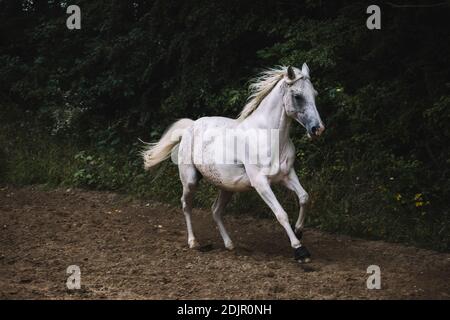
(398, 196)
(419, 204)
(418, 196)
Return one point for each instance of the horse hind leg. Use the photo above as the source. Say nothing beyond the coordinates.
(217, 209)
(189, 178)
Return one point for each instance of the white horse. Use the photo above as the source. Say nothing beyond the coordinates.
(278, 96)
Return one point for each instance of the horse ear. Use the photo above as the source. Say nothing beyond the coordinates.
(290, 73)
(305, 69)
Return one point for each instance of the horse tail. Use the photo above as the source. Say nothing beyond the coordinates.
(160, 151)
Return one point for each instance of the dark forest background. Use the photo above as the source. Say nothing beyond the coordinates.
(74, 103)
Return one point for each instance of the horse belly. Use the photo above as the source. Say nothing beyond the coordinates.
(226, 176)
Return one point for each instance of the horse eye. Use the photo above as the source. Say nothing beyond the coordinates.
(298, 97)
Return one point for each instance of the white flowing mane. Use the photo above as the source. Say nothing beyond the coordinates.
(260, 87)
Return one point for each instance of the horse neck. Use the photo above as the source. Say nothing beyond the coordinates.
(271, 114)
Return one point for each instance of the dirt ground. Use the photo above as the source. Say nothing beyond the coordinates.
(130, 249)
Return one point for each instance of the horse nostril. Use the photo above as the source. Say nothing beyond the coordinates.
(314, 129)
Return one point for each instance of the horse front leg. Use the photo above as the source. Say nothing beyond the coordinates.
(292, 183)
(262, 186)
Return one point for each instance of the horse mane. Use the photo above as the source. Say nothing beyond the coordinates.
(260, 87)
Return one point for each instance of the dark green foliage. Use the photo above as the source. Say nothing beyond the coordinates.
(73, 103)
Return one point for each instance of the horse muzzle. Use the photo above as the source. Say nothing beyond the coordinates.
(315, 131)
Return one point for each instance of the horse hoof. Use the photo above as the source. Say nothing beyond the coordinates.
(229, 246)
(302, 255)
(193, 244)
(303, 261)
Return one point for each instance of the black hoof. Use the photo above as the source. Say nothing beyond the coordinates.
(302, 255)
